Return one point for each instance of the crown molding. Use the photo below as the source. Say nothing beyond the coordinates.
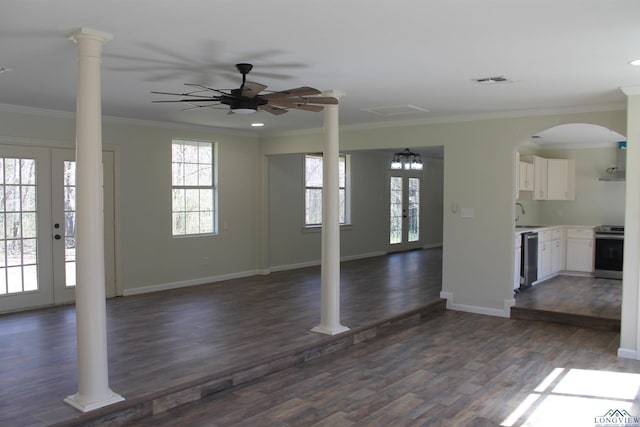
(319, 130)
(9, 108)
(462, 118)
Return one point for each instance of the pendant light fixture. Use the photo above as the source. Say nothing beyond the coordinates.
(407, 160)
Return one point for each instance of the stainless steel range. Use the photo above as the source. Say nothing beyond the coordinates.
(609, 251)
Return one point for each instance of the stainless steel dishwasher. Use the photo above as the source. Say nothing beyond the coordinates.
(529, 261)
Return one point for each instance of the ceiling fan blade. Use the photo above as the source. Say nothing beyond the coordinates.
(220, 91)
(314, 108)
(168, 93)
(196, 107)
(272, 109)
(216, 99)
(324, 100)
(289, 103)
(191, 94)
(298, 91)
(251, 89)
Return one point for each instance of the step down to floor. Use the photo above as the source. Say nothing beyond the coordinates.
(580, 320)
(152, 404)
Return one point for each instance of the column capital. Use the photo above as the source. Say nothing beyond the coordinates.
(335, 93)
(88, 33)
(630, 90)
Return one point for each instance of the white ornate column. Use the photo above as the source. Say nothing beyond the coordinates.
(330, 267)
(93, 373)
(630, 319)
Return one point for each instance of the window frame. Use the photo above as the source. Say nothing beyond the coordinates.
(213, 187)
(347, 191)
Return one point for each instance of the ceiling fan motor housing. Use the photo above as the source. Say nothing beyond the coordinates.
(244, 68)
(237, 101)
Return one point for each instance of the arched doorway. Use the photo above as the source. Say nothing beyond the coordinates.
(568, 287)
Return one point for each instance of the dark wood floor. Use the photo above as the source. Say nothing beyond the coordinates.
(164, 340)
(579, 301)
(458, 369)
(572, 294)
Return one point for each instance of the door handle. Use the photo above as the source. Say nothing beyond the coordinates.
(57, 237)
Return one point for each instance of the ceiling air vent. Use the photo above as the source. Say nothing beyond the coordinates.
(492, 80)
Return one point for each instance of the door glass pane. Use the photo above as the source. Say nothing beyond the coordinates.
(413, 216)
(395, 203)
(18, 236)
(69, 191)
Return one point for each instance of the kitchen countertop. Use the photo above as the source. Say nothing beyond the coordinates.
(520, 229)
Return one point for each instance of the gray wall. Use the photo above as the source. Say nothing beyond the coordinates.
(478, 173)
(290, 244)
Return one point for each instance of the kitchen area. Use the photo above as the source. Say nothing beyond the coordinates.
(569, 234)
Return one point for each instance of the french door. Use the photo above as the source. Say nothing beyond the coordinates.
(37, 226)
(404, 210)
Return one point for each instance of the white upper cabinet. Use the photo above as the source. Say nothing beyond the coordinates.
(540, 178)
(561, 179)
(525, 181)
(553, 179)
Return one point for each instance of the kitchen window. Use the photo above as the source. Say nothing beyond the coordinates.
(193, 187)
(313, 189)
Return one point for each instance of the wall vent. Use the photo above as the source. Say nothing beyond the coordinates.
(492, 80)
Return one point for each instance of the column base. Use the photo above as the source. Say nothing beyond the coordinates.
(330, 331)
(81, 405)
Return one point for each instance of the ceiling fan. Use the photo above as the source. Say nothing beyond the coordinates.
(248, 99)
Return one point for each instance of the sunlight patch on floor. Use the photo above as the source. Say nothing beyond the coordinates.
(580, 397)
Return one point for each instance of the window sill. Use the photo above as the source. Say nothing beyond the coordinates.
(318, 228)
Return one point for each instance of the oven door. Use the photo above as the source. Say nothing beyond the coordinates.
(608, 257)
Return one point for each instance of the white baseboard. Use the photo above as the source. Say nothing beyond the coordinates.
(186, 283)
(627, 353)
(508, 303)
(293, 266)
(212, 279)
(317, 262)
(432, 245)
(473, 308)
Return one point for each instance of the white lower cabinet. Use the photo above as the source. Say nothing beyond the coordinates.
(580, 250)
(557, 255)
(544, 260)
(517, 260)
(560, 249)
(544, 254)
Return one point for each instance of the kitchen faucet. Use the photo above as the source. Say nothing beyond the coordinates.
(521, 208)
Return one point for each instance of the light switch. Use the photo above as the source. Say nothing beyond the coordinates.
(466, 212)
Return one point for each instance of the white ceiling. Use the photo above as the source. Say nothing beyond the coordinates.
(578, 134)
(559, 55)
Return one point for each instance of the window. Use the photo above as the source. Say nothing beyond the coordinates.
(18, 226)
(193, 187)
(313, 189)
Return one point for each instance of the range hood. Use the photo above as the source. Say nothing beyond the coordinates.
(618, 172)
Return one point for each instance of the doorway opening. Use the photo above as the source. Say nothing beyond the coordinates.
(592, 149)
